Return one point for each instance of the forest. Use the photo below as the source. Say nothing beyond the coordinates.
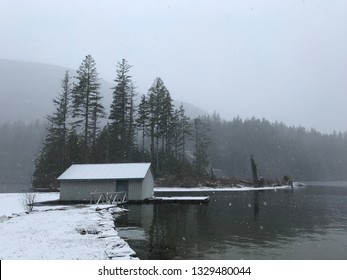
(152, 131)
(148, 127)
(278, 150)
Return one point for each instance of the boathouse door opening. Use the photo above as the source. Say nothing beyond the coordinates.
(123, 186)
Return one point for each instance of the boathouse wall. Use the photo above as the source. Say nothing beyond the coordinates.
(78, 190)
(74, 185)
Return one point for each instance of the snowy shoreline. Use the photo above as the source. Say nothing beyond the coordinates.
(59, 232)
(224, 189)
(71, 232)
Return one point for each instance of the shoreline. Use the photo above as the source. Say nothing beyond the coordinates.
(225, 189)
(59, 232)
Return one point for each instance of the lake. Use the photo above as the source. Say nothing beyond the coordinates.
(304, 223)
(14, 187)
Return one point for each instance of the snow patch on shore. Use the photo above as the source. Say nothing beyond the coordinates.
(236, 188)
(59, 232)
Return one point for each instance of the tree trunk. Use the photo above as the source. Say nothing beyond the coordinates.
(254, 172)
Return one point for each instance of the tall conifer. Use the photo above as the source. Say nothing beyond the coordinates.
(53, 158)
(122, 115)
(87, 109)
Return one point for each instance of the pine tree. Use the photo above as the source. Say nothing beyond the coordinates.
(102, 149)
(60, 118)
(201, 143)
(176, 134)
(180, 132)
(165, 121)
(131, 131)
(74, 148)
(185, 129)
(160, 114)
(87, 108)
(142, 122)
(122, 115)
(53, 158)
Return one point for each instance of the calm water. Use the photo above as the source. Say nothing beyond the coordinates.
(306, 223)
(14, 187)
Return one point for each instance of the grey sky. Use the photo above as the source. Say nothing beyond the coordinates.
(281, 60)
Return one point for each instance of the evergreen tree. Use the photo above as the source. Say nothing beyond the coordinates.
(74, 149)
(102, 149)
(165, 121)
(53, 160)
(201, 143)
(60, 118)
(87, 108)
(160, 114)
(142, 122)
(185, 130)
(122, 115)
(131, 131)
(180, 130)
(176, 134)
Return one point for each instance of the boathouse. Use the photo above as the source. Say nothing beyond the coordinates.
(79, 181)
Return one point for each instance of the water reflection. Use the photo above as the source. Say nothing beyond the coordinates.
(256, 205)
(252, 225)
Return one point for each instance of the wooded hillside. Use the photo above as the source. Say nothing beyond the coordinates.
(278, 150)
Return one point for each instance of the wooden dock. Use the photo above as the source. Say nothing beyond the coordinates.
(116, 198)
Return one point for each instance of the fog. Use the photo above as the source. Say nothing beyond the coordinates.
(281, 60)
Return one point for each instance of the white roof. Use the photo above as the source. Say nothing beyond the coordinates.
(106, 171)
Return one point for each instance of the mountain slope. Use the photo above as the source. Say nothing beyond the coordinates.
(27, 90)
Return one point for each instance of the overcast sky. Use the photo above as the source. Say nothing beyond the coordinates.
(281, 60)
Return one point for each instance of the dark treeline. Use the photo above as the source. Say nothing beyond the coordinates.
(19, 144)
(277, 149)
(154, 130)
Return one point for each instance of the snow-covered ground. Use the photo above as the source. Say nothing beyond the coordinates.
(180, 198)
(58, 232)
(69, 232)
(224, 189)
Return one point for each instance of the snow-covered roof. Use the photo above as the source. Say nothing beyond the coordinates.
(105, 171)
